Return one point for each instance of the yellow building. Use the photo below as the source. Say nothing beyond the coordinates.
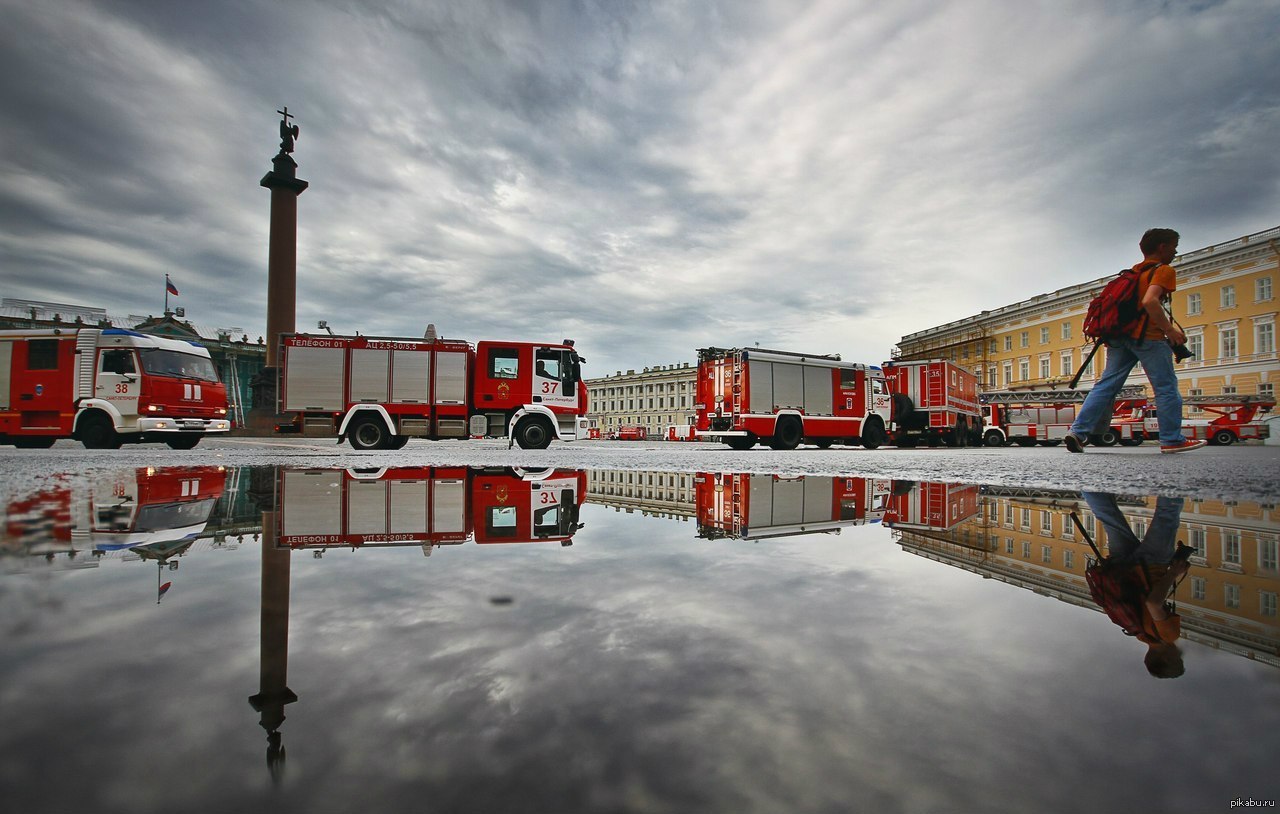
(1225, 301)
(655, 398)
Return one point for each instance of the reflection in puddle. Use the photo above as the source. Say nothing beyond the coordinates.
(1196, 571)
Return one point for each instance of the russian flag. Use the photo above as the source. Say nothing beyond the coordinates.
(169, 286)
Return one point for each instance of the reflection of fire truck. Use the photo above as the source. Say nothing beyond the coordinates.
(931, 506)
(780, 398)
(105, 388)
(1235, 419)
(1029, 417)
(118, 510)
(428, 506)
(379, 392)
(753, 507)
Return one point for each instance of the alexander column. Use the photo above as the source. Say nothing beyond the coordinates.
(282, 269)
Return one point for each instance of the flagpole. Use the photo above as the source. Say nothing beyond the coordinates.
(166, 295)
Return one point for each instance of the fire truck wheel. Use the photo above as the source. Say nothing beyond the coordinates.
(823, 443)
(369, 433)
(1106, 438)
(787, 433)
(33, 443)
(533, 432)
(183, 441)
(1130, 442)
(873, 435)
(740, 442)
(1224, 438)
(994, 439)
(398, 442)
(97, 432)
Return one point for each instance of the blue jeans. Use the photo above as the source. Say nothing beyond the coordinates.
(1157, 360)
(1156, 547)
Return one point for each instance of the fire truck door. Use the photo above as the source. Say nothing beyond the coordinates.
(117, 379)
(878, 398)
(554, 378)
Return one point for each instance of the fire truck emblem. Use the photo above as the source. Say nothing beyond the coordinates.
(502, 494)
(504, 389)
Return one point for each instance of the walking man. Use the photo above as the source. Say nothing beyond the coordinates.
(1151, 344)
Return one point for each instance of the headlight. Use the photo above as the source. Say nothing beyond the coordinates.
(222, 411)
(152, 408)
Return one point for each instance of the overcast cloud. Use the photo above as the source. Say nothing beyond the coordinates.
(646, 178)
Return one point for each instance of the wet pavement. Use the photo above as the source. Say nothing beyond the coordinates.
(649, 628)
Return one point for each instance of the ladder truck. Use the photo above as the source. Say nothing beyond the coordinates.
(1030, 417)
(378, 392)
(1235, 418)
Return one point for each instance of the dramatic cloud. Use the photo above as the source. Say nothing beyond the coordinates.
(646, 178)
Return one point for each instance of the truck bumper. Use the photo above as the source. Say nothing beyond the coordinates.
(201, 425)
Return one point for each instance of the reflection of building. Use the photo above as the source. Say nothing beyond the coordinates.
(662, 494)
(1027, 538)
(237, 358)
(1225, 299)
(655, 398)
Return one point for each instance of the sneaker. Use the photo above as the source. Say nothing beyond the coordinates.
(1074, 442)
(1185, 446)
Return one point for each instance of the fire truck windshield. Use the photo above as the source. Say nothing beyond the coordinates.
(159, 362)
(174, 515)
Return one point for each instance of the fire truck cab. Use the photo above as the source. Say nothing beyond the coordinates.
(105, 388)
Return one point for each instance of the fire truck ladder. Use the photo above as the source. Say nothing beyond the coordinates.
(1136, 391)
(1232, 399)
(736, 508)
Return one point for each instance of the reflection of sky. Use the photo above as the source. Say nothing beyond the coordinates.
(639, 669)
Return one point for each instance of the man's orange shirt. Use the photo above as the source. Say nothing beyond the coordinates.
(1165, 277)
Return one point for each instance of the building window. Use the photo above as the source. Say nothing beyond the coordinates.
(1026, 550)
(1008, 373)
(1193, 305)
(1044, 335)
(1227, 343)
(1262, 289)
(1008, 516)
(1046, 523)
(1066, 330)
(1267, 389)
(1231, 547)
(1025, 338)
(1008, 545)
(1197, 542)
(1068, 366)
(1267, 603)
(1024, 370)
(1044, 367)
(1264, 337)
(1231, 593)
(1228, 296)
(1008, 343)
(1046, 553)
(1068, 559)
(1198, 588)
(1267, 551)
(1026, 521)
(992, 348)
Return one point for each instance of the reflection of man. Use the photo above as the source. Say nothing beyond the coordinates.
(1144, 573)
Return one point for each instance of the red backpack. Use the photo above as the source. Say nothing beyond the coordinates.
(1117, 309)
(1120, 590)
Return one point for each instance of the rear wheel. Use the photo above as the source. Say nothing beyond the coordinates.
(993, 438)
(369, 433)
(740, 442)
(97, 432)
(533, 432)
(1224, 438)
(787, 433)
(182, 441)
(873, 434)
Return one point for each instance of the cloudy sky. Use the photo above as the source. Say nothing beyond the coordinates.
(647, 178)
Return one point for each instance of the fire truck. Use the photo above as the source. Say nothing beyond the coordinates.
(378, 392)
(106, 387)
(931, 506)
(427, 506)
(1235, 419)
(1030, 417)
(115, 511)
(751, 395)
(934, 401)
(744, 506)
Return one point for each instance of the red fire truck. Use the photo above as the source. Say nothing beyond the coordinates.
(931, 506)
(934, 401)
(750, 395)
(119, 510)
(1235, 419)
(743, 506)
(378, 392)
(427, 506)
(1030, 417)
(105, 388)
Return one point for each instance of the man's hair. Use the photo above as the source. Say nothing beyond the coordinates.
(1153, 238)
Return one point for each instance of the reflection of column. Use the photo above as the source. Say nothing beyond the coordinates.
(273, 689)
